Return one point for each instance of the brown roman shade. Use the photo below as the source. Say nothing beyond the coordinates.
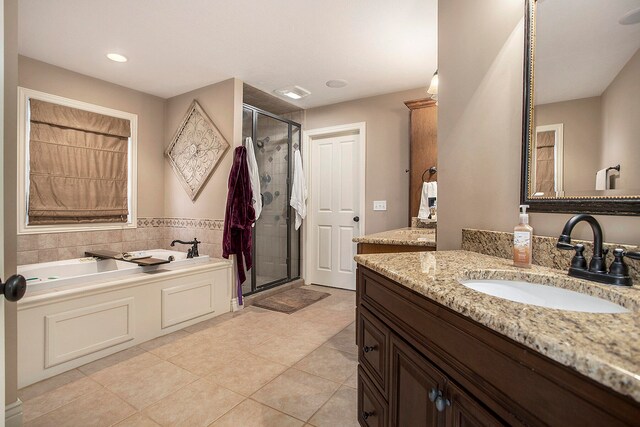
(77, 165)
(545, 162)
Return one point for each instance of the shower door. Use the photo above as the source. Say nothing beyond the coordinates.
(275, 241)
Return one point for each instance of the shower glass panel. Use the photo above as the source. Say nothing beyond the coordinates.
(276, 244)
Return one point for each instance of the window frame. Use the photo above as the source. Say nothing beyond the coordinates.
(24, 95)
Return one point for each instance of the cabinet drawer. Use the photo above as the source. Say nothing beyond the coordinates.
(373, 348)
(372, 408)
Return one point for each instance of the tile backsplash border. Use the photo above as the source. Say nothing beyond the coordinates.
(545, 253)
(151, 233)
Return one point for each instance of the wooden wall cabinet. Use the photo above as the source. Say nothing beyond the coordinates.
(423, 148)
(422, 364)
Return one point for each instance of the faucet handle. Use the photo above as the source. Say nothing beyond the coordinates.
(579, 261)
(632, 255)
(618, 267)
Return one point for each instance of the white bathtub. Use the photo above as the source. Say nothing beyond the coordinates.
(79, 271)
(77, 311)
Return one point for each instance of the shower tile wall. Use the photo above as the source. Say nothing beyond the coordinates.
(271, 239)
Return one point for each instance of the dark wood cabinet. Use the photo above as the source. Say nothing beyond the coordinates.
(423, 364)
(413, 380)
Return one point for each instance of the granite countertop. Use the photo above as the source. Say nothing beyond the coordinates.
(604, 347)
(403, 236)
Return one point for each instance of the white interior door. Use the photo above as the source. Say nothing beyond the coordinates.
(335, 204)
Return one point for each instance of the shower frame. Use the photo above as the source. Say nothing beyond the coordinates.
(290, 212)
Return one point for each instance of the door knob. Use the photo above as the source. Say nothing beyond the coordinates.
(14, 288)
(356, 219)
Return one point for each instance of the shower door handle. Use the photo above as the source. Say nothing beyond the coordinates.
(14, 288)
(356, 219)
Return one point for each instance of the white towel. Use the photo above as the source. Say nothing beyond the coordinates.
(423, 212)
(254, 176)
(601, 179)
(298, 190)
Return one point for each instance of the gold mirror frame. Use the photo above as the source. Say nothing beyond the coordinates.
(605, 205)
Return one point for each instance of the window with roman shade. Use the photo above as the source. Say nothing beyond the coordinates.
(78, 166)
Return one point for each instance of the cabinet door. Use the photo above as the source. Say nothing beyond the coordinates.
(464, 411)
(372, 409)
(412, 379)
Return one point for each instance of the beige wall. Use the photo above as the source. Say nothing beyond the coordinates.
(387, 151)
(220, 102)
(582, 138)
(480, 47)
(9, 196)
(621, 125)
(150, 110)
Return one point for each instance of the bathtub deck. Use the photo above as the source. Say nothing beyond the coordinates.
(229, 371)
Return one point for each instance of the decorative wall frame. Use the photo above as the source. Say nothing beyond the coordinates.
(196, 150)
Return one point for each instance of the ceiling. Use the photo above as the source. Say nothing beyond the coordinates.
(174, 46)
(581, 47)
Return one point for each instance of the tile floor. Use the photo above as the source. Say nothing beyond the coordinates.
(252, 368)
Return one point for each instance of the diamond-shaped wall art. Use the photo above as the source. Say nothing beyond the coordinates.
(196, 150)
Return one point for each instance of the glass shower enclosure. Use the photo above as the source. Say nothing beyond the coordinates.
(276, 243)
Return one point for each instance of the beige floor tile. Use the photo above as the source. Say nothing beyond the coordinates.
(98, 409)
(206, 324)
(285, 350)
(49, 384)
(114, 359)
(352, 381)
(245, 376)
(198, 404)
(329, 363)
(344, 340)
(137, 420)
(204, 358)
(253, 414)
(340, 410)
(121, 372)
(174, 346)
(47, 402)
(296, 393)
(149, 385)
(310, 331)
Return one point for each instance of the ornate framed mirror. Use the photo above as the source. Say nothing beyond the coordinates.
(581, 115)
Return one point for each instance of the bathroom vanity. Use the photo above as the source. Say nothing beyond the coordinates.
(433, 352)
(409, 239)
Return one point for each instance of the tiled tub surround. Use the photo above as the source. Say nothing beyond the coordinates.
(545, 253)
(403, 236)
(151, 233)
(604, 347)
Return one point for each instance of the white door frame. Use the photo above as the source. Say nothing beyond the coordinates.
(307, 139)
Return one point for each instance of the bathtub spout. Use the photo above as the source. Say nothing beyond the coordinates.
(193, 250)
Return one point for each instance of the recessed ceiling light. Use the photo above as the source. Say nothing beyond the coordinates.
(117, 57)
(293, 92)
(631, 17)
(336, 84)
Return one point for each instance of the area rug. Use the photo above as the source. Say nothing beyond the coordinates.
(291, 300)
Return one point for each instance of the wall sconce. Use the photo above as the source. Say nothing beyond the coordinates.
(433, 87)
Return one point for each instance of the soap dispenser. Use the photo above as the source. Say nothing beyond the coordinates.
(522, 240)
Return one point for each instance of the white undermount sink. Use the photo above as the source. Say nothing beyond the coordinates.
(544, 296)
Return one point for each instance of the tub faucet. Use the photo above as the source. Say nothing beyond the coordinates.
(618, 273)
(193, 250)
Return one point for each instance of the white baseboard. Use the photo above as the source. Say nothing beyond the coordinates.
(235, 306)
(13, 414)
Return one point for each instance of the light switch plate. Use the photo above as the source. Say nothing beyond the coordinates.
(379, 205)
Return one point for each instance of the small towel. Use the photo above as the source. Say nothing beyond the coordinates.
(299, 190)
(254, 176)
(427, 199)
(601, 179)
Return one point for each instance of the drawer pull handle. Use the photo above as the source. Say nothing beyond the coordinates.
(442, 403)
(366, 415)
(368, 348)
(434, 394)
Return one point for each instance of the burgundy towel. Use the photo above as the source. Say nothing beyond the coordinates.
(239, 216)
